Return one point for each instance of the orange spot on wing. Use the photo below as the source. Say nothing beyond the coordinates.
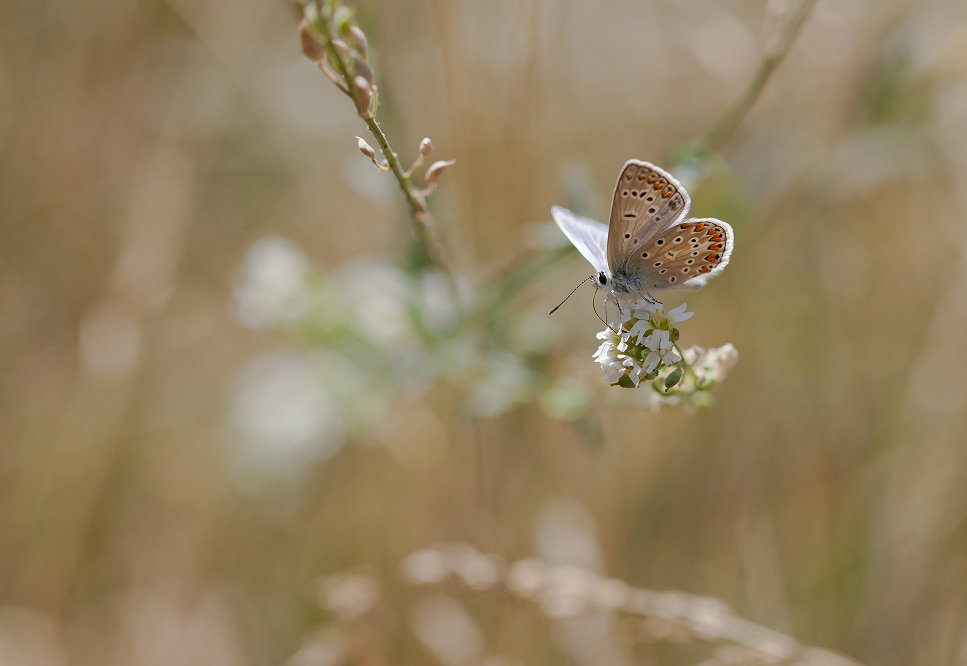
(704, 269)
(699, 227)
(711, 257)
(715, 246)
(684, 226)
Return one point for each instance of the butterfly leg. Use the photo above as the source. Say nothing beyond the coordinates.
(646, 296)
(651, 299)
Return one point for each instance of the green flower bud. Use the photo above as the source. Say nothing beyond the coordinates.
(343, 20)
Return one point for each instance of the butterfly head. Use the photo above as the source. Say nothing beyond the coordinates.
(602, 280)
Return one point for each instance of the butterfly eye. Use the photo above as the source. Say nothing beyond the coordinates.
(602, 280)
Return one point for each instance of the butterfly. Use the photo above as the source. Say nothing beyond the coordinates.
(648, 244)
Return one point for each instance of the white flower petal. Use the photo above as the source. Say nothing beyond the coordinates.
(677, 315)
(652, 340)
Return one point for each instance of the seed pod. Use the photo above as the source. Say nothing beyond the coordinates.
(673, 378)
(625, 381)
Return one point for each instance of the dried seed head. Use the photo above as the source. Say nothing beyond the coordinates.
(435, 170)
(426, 146)
(312, 49)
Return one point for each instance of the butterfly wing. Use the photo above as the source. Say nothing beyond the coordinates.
(687, 254)
(647, 200)
(588, 236)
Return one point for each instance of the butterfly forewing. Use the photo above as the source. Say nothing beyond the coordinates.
(587, 235)
(687, 254)
(646, 201)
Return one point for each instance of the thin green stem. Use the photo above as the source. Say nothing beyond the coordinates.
(732, 118)
(684, 363)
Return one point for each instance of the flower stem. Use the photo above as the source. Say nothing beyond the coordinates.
(321, 21)
(732, 118)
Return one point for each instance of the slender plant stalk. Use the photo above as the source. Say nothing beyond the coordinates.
(732, 118)
(326, 34)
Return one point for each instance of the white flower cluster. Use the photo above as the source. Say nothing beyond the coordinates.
(638, 344)
(711, 365)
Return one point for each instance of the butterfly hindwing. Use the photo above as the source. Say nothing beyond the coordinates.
(687, 254)
(647, 200)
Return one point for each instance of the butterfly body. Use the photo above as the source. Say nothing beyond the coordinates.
(648, 244)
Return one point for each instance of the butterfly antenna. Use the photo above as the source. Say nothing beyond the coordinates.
(572, 293)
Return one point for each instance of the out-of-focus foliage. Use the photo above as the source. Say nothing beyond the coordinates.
(182, 481)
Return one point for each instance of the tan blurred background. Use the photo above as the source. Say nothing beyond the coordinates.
(145, 146)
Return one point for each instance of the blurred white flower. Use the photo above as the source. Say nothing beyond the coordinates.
(348, 595)
(271, 288)
(506, 382)
(379, 296)
(448, 631)
(283, 414)
(429, 565)
(566, 534)
(711, 365)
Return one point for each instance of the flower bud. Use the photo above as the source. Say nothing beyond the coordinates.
(365, 148)
(360, 38)
(363, 96)
(426, 146)
(341, 47)
(342, 18)
(361, 68)
(370, 152)
(311, 47)
(435, 170)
